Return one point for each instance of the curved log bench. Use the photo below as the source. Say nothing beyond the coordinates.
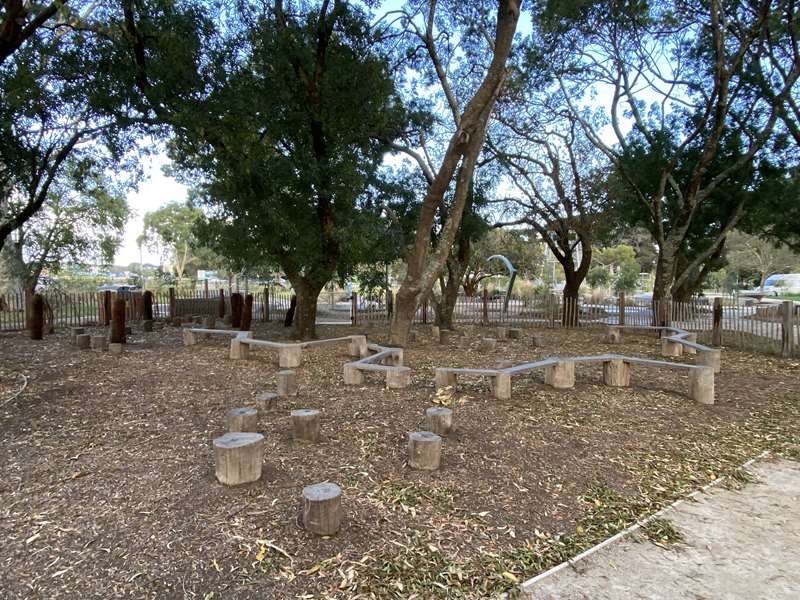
(191, 335)
(678, 342)
(290, 354)
(386, 360)
(559, 372)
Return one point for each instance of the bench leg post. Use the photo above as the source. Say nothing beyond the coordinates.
(701, 385)
(239, 351)
(352, 376)
(290, 356)
(501, 386)
(445, 379)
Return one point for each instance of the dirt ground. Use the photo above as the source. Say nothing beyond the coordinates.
(108, 487)
(736, 545)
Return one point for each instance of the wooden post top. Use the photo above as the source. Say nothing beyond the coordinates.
(238, 439)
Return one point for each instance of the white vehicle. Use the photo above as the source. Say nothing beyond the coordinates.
(781, 283)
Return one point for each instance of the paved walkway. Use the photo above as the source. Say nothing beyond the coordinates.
(737, 545)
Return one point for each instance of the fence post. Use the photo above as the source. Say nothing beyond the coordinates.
(353, 308)
(266, 304)
(787, 328)
(716, 332)
(621, 307)
(205, 286)
(172, 303)
(485, 306)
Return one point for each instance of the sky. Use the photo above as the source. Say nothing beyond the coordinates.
(155, 191)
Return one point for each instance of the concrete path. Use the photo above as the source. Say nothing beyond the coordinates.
(742, 545)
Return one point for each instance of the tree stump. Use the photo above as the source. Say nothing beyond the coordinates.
(147, 326)
(487, 344)
(444, 336)
(445, 379)
(424, 450)
(701, 385)
(560, 375)
(613, 335)
(267, 401)
(287, 383)
(305, 422)
(617, 373)
(239, 349)
(537, 340)
(514, 333)
(412, 336)
(209, 322)
(99, 342)
(352, 376)
(439, 420)
(83, 341)
(502, 333)
(74, 332)
(114, 348)
(435, 332)
(398, 377)
(189, 337)
(671, 348)
(118, 331)
(242, 419)
(322, 508)
(239, 456)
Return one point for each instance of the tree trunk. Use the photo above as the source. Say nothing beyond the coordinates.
(665, 271)
(236, 310)
(423, 266)
(305, 316)
(569, 309)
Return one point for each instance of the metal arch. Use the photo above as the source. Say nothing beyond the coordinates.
(513, 276)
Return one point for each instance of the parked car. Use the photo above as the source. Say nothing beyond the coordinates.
(780, 283)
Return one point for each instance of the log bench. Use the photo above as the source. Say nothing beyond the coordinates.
(290, 354)
(675, 344)
(385, 360)
(191, 335)
(559, 372)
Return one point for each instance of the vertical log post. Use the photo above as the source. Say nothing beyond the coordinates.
(37, 317)
(236, 310)
(221, 304)
(485, 308)
(247, 313)
(353, 308)
(716, 333)
(621, 308)
(118, 321)
(106, 308)
(389, 304)
(265, 314)
(147, 305)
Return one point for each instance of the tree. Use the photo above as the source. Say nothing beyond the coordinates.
(520, 246)
(470, 105)
(552, 167)
(65, 100)
(170, 230)
(81, 221)
(696, 64)
(283, 146)
(751, 254)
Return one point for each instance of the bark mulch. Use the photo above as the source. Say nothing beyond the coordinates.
(108, 487)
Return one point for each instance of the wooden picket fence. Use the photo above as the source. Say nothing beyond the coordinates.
(731, 321)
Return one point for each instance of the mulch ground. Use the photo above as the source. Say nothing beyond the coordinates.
(108, 487)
